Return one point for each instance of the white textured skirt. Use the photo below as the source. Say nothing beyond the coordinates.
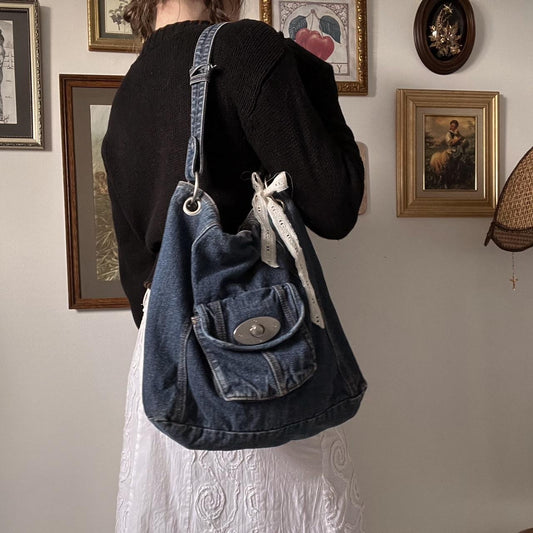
(304, 486)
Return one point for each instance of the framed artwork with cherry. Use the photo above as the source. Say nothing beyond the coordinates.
(335, 31)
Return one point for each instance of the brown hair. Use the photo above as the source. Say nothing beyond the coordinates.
(141, 14)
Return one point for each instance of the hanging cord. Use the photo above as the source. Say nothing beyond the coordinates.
(514, 279)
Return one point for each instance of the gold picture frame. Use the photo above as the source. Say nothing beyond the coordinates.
(21, 119)
(339, 35)
(446, 153)
(108, 32)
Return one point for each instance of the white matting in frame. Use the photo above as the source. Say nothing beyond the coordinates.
(335, 31)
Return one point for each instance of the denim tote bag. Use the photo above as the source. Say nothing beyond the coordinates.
(243, 347)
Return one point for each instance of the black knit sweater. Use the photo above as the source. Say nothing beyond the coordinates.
(271, 106)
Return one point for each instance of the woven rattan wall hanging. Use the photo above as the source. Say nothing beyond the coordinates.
(512, 226)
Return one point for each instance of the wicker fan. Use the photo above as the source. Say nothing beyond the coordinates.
(512, 226)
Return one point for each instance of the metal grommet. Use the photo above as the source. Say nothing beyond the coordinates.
(191, 206)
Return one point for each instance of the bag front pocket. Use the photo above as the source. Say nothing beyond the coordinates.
(256, 343)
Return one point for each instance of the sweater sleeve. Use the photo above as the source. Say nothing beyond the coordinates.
(135, 260)
(296, 125)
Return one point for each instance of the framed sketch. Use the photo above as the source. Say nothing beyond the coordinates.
(335, 31)
(444, 33)
(92, 255)
(21, 123)
(447, 153)
(108, 31)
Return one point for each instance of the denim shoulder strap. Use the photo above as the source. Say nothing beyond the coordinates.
(199, 78)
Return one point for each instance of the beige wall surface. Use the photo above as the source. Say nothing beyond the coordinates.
(444, 440)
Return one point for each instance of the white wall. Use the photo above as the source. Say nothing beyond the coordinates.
(443, 442)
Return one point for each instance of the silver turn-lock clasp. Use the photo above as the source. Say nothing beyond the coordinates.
(257, 330)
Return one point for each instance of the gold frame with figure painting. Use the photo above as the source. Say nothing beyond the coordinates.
(92, 252)
(447, 153)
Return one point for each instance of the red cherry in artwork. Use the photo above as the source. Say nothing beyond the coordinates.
(316, 43)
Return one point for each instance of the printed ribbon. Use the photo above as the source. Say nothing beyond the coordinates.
(268, 211)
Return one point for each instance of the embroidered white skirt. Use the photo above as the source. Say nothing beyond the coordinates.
(305, 486)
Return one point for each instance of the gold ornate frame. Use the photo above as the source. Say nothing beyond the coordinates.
(101, 41)
(413, 110)
(27, 132)
(360, 86)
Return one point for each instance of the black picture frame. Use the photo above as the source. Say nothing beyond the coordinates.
(21, 121)
(444, 33)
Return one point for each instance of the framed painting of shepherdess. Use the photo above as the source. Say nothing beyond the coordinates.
(92, 252)
(108, 31)
(447, 153)
(335, 31)
(21, 124)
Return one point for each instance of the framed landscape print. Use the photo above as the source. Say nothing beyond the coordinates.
(447, 153)
(335, 31)
(21, 123)
(92, 254)
(108, 31)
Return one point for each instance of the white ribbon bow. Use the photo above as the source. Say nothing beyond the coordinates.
(268, 211)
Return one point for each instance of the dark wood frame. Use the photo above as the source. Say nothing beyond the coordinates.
(421, 27)
(76, 92)
(99, 40)
(354, 88)
(28, 131)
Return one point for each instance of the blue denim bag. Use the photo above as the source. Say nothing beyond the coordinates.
(243, 347)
